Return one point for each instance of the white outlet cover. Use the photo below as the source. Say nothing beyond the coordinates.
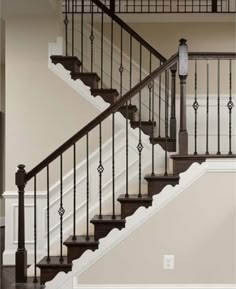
(168, 262)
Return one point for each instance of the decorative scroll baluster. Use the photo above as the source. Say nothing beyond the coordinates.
(74, 192)
(87, 188)
(48, 216)
(218, 107)
(82, 35)
(92, 36)
(195, 107)
(207, 112)
(100, 171)
(140, 145)
(35, 230)
(61, 210)
(230, 106)
(21, 253)
(66, 22)
(113, 166)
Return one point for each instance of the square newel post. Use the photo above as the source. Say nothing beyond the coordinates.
(21, 253)
(112, 6)
(173, 70)
(183, 74)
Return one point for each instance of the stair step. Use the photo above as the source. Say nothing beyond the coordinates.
(106, 224)
(78, 246)
(108, 95)
(182, 162)
(132, 109)
(70, 63)
(146, 126)
(170, 145)
(89, 79)
(156, 183)
(48, 270)
(130, 204)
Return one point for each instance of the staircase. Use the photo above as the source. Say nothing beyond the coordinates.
(155, 74)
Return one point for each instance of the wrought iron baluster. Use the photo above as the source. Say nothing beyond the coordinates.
(48, 216)
(127, 150)
(153, 106)
(150, 88)
(159, 107)
(112, 39)
(113, 167)
(130, 64)
(166, 118)
(82, 36)
(100, 171)
(230, 106)
(87, 188)
(140, 145)
(218, 107)
(92, 36)
(66, 22)
(35, 230)
(121, 68)
(195, 107)
(207, 112)
(74, 192)
(73, 29)
(102, 44)
(61, 210)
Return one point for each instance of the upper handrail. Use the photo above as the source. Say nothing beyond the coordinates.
(211, 55)
(101, 117)
(132, 32)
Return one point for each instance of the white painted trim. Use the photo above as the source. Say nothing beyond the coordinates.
(2, 221)
(142, 215)
(157, 286)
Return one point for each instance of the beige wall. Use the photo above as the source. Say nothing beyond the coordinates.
(198, 228)
(42, 111)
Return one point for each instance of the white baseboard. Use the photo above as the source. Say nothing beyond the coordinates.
(2, 221)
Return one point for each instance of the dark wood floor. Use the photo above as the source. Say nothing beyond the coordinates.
(7, 274)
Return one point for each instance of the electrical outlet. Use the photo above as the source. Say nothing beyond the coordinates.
(169, 262)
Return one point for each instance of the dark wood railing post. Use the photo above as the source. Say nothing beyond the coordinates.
(183, 74)
(21, 253)
(173, 101)
(112, 6)
(214, 6)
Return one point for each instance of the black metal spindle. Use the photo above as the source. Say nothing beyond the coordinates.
(153, 106)
(61, 210)
(150, 88)
(66, 22)
(102, 44)
(127, 150)
(87, 188)
(218, 107)
(130, 63)
(166, 119)
(121, 68)
(74, 192)
(159, 107)
(92, 36)
(195, 107)
(35, 230)
(230, 106)
(113, 167)
(207, 112)
(48, 217)
(100, 171)
(140, 145)
(73, 29)
(82, 36)
(112, 39)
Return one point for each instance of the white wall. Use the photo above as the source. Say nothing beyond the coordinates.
(198, 227)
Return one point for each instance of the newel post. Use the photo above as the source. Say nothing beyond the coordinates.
(21, 253)
(173, 70)
(183, 74)
(112, 6)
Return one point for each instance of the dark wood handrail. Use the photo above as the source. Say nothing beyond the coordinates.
(211, 55)
(134, 34)
(101, 117)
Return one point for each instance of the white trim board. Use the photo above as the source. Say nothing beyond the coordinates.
(158, 286)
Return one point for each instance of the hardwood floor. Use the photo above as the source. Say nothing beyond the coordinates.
(7, 274)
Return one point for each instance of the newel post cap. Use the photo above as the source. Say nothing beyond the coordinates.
(183, 41)
(20, 175)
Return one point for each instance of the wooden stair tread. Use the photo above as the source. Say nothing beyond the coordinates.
(62, 59)
(81, 241)
(87, 74)
(131, 107)
(102, 91)
(162, 139)
(54, 262)
(192, 156)
(143, 123)
(107, 219)
(162, 177)
(134, 198)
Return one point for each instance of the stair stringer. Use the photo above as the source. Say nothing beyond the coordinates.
(168, 194)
